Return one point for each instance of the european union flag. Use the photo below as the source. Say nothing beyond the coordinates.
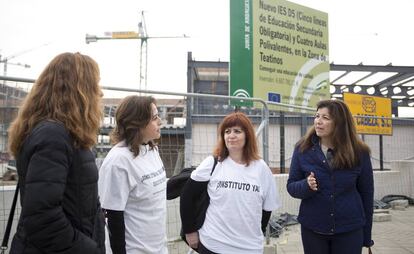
(275, 97)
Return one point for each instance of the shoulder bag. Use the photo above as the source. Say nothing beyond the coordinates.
(201, 205)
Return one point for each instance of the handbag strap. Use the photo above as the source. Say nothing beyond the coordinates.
(4, 244)
(369, 250)
(214, 165)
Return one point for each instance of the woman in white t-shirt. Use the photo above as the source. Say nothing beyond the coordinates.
(132, 181)
(242, 193)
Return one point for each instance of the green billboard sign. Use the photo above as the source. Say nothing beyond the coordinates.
(278, 52)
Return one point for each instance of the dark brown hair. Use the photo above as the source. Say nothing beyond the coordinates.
(250, 150)
(132, 115)
(66, 91)
(347, 144)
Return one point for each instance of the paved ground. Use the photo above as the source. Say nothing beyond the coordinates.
(390, 237)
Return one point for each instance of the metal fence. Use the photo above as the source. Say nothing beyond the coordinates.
(189, 134)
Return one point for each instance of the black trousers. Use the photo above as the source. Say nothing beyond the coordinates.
(203, 250)
(344, 243)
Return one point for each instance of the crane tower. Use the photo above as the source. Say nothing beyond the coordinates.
(141, 35)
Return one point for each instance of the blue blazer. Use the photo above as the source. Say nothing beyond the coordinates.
(344, 199)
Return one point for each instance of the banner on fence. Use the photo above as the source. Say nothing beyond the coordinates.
(371, 113)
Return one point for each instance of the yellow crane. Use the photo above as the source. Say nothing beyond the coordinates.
(142, 35)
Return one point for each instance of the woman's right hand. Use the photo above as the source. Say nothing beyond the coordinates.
(192, 239)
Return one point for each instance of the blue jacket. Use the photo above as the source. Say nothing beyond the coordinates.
(344, 199)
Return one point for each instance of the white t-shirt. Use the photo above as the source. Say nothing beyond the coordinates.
(238, 194)
(137, 186)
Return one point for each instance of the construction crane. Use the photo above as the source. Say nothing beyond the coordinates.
(142, 35)
(5, 60)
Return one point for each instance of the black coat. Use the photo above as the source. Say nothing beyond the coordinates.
(61, 212)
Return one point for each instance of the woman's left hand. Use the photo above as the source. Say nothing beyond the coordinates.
(192, 239)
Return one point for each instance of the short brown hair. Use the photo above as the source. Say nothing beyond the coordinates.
(250, 150)
(132, 115)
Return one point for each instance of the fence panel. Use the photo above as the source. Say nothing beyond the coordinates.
(189, 134)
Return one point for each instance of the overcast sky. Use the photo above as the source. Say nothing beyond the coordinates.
(372, 32)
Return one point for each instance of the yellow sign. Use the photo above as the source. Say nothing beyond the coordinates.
(125, 35)
(371, 113)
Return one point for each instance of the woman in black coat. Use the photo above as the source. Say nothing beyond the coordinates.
(51, 139)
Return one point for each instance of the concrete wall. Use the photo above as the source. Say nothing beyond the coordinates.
(399, 181)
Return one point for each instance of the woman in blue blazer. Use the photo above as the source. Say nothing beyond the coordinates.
(331, 173)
